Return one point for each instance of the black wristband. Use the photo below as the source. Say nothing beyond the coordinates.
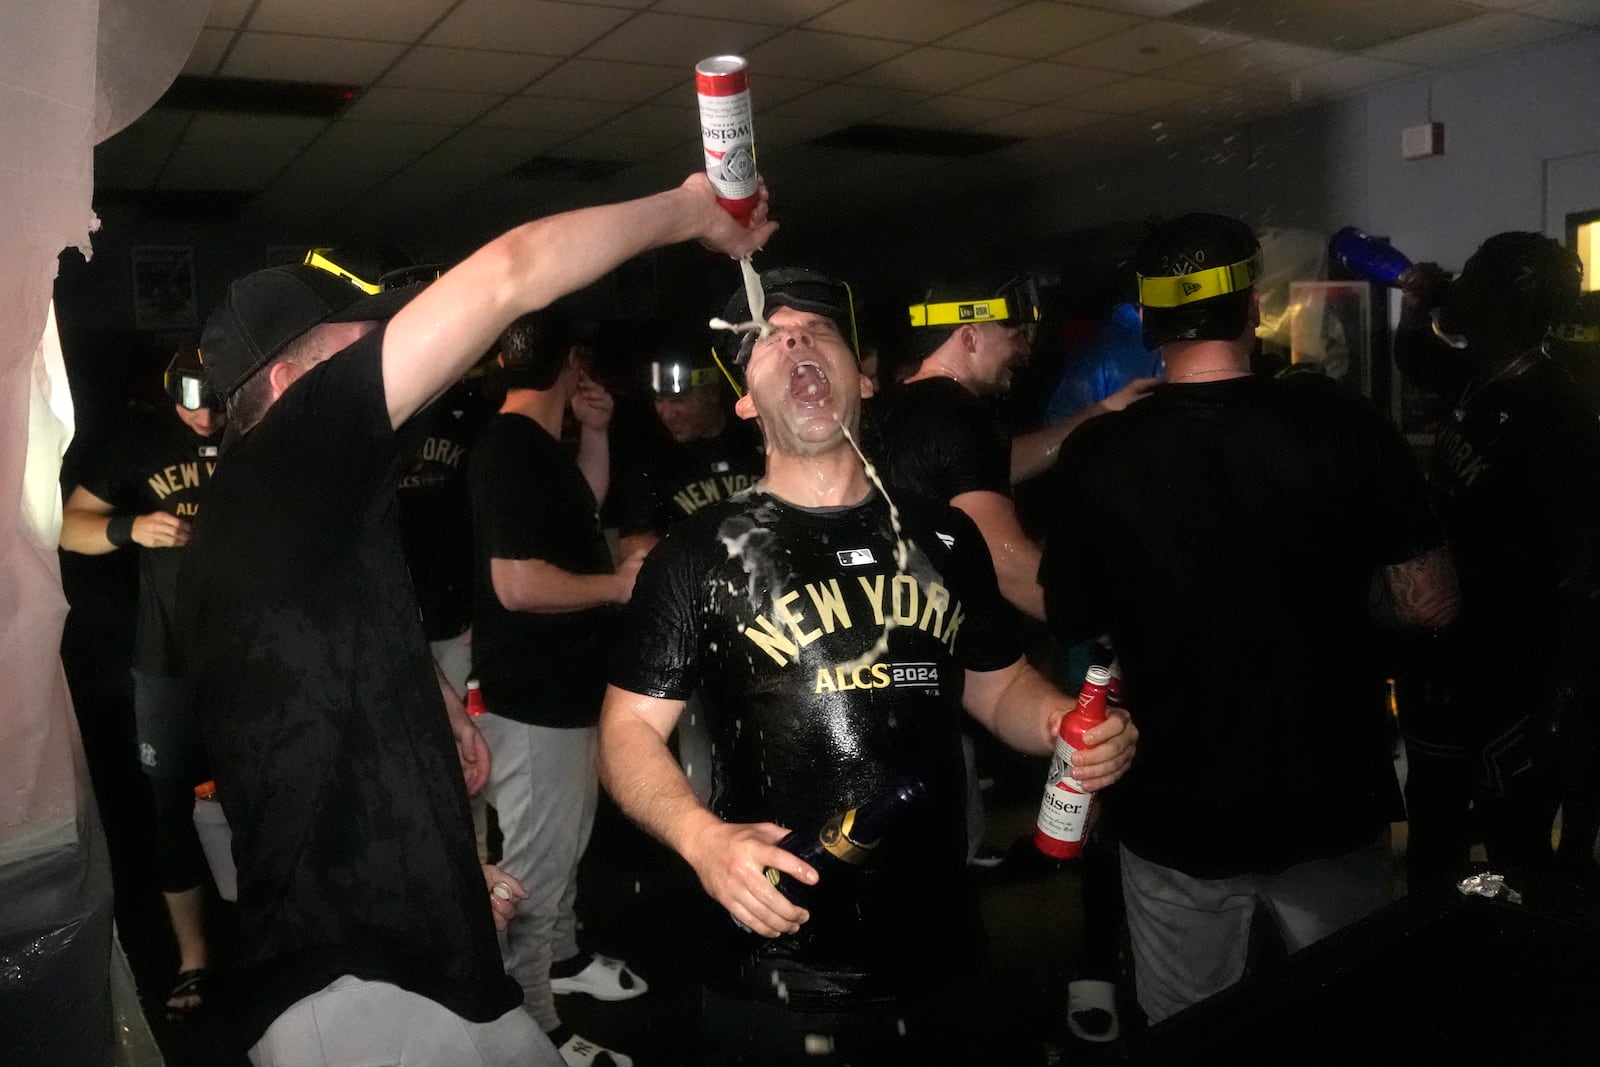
(119, 530)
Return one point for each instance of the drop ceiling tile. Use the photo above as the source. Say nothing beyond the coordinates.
(312, 59)
(1150, 8)
(383, 103)
(676, 40)
(1505, 5)
(1132, 96)
(450, 169)
(612, 146)
(1039, 83)
(846, 104)
(918, 21)
(766, 91)
(1149, 47)
(937, 70)
(818, 56)
(666, 125)
(539, 26)
(538, 113)
(1226, 107)
(1581, 12)
(1467, 40)
(228, 13)
(1039, 122)
(1039, 29)
(781, 131)
(598, 79)
(336, 156)
(208, 50)
(1344, 25)
(469, 70)
(772, 12)
(292, 131)
(241, 167)
(129, 164)
(952, 113)
(393, 20)
(357, 138)
(1348, 75)
(507, 146)
(1253, 62)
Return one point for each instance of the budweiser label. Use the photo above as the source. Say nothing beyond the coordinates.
(726, 135)
(1065, 806)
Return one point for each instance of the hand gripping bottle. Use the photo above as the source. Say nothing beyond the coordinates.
(722, 84)
(475, 704)
(1363, 254)
(1064, 811)
(846, 841)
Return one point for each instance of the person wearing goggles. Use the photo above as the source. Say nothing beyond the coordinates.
(818, 624)
(146, 491)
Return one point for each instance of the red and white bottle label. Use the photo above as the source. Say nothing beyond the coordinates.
(1064, 811)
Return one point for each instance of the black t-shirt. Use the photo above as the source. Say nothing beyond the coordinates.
(436, 512)
(667, 481)
(775, 615)
(156, 463)
(322, 717)
(1225, 534)
(530, 501)
(933, 438)
(1515, 477)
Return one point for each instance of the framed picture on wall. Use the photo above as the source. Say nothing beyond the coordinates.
(1332, 327)
(163, 288)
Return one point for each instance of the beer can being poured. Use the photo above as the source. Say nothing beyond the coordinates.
(726, 131)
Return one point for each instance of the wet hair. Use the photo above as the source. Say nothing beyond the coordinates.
(534, 348)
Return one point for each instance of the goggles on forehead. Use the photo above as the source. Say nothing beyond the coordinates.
(1178, 290)
(797, 288)
(1576, 333)
(324, 259)
(675, 377)
(1016, 303)
(186, 384)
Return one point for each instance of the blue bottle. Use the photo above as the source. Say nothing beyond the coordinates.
(1367, 256)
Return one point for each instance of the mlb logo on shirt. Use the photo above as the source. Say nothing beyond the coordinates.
(856, 557)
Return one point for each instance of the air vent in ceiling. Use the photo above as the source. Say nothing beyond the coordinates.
(252, 96)
(913, 141)
(567, 169)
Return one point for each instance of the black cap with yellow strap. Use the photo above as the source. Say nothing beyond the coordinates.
(1196, 273)
(372, 269)
(1178, 290)
(1015, 303)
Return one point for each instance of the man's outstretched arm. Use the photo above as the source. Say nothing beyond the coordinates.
(432, 342)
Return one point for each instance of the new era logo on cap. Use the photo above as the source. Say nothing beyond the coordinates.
(1190, 288)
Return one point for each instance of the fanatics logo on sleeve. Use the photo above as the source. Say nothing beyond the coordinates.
(856, 557)
(945, 539)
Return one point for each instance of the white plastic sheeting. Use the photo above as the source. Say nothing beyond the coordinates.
(54, 885)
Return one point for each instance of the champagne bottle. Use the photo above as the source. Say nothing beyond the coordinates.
(1367, 256)
(847, 841)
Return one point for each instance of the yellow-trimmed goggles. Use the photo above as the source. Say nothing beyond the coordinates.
(791, 287)
(675, 377)
(322, 259)
(1576, 333)
(184, 380)
(1176, 291)
(1016, 304)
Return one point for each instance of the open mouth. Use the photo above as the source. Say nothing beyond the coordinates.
(808, 383)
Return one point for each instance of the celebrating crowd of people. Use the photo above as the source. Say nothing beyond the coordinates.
(807, 593)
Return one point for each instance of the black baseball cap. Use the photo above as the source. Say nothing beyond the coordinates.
(1195, 277)
(262, 313)
(788, 287)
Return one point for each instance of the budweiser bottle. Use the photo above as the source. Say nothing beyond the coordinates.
(847, 841)
(475, 704)
(1064, 811)
(722, 86)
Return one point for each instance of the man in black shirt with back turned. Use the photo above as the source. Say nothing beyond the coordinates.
(366, 932)
(1228, 532)
(835, 643)
(1515, 477)
(545, 596)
